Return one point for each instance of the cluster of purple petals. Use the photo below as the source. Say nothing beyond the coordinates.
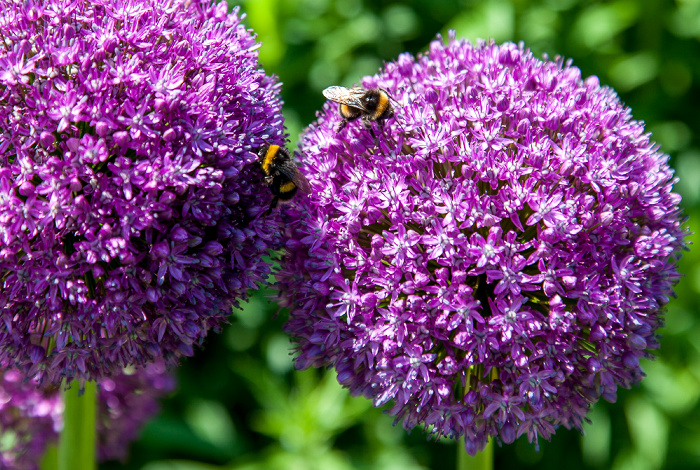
(130, 197)
(497, 259)
(125, 403)
(31, 417)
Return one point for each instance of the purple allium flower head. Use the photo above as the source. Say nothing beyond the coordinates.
(130, 200)
(31, 417)
(497, 259)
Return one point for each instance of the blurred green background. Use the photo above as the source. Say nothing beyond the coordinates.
(240, 405)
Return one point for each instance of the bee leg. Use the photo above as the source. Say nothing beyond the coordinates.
(368, 125)
(341, 125)
(273, 204)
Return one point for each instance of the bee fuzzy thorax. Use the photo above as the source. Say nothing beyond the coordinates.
(268, 158)
(378, 100)
(382, 105)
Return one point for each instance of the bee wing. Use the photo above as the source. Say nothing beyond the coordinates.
(346, 96)
(302, 183)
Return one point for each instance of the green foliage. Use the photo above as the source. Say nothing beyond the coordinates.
(242, 407)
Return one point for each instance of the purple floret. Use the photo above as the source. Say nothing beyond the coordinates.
(498, 259)
(130, 199)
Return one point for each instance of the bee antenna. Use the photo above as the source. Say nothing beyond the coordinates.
(394, 100)
(396, 118)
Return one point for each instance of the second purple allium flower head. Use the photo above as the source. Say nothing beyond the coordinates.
(130, 200)
(497, 259)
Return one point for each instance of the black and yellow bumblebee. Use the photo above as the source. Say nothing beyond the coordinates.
(374, 105)
(281, 174)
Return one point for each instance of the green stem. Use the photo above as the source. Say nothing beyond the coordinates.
(76, 446)
(481, 461)
(50, 459)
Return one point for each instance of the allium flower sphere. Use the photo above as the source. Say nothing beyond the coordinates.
(497, 259)
(31, 417)
(130, 200)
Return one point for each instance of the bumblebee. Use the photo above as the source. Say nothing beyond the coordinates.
(374, 105)
(281, 174)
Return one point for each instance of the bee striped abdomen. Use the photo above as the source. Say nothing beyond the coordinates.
(287, 187)
(348, 112)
